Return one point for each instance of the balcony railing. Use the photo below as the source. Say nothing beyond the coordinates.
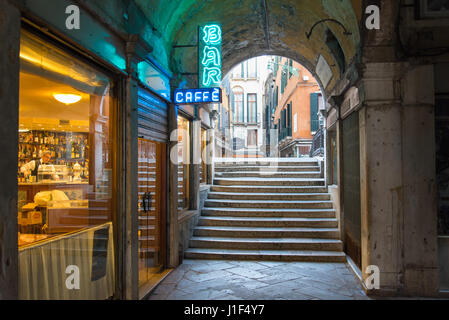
(284, 133)
(317, 149)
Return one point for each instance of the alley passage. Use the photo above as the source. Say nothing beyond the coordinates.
(268, 210)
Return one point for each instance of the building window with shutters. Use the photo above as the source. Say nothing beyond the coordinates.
(238, 71)
(290, 68)
(252, 108)
(252, 68)
(276, 98)
(237, 105)
(284, 77)
(314, 121)
(279, 128)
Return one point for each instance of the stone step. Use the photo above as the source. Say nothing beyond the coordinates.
(273, 213)
(266, 244)
(268, 182)
(261, 163)
(267, 174)
(271, 196)
(269, 169)
(265, 255)
(284, 204)
(269, 222)
(247, 232)
(269, 189)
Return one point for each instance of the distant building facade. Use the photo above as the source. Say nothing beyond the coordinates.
(293, 100)
(243, 92)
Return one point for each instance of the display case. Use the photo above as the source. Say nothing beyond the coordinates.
(49, 173)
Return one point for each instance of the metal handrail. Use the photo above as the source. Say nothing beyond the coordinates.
(318, 143)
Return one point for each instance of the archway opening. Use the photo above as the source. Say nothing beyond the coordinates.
(272, 107)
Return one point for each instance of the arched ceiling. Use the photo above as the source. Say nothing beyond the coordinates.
(256, 27)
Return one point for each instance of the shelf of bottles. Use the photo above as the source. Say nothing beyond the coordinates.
(67, 148)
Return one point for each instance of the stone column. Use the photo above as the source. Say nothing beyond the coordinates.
(9, 126)
(172, 221)
(397, 173)
(340, 177)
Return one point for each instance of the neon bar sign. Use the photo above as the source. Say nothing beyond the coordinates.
(209, 57)
(197, 96)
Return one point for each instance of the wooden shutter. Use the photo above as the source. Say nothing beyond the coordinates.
(283, 79)
(314, 124)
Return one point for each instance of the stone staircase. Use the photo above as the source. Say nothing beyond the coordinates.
(286, 215)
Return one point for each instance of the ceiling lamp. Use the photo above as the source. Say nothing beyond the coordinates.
(67, 98)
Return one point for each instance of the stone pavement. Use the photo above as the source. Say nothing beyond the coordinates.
(247, 280)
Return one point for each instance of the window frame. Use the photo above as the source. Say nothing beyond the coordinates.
(239, 111)
(248, 103)
(117, 135)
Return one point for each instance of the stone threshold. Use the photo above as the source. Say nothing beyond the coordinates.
(146, 290)
(355, 269)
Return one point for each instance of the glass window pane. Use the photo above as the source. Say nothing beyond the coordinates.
(238, 105)
(237, 72)
(252, 68)
(252, 108)
(65, 175)
(183, 162)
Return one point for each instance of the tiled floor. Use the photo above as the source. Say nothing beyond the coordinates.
(245, 280)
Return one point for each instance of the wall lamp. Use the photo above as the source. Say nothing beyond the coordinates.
(346, 32)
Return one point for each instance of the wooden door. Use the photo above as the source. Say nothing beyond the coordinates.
(151, 209)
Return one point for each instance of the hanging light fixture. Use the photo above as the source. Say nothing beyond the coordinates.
(67, 98)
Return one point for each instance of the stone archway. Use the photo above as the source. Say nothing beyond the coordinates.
(253, 28)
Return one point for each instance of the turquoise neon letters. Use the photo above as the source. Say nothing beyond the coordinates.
(210, 56)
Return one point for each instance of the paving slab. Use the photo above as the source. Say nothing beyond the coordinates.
(259, 280)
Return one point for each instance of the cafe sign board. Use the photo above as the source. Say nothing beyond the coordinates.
(198, 96)
(209, 55)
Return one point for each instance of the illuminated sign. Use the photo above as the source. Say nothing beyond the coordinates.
(196, 96)
(209, 58)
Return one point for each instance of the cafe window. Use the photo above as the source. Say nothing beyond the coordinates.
(183, 162)
(65, 176)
